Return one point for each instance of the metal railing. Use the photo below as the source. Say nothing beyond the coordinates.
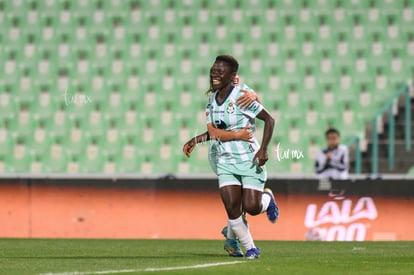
(355, 140)
(390, 108)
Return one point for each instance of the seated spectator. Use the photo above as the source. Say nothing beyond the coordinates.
(333, 161)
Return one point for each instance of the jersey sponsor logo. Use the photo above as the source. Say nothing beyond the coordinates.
(220, 124)
(230, 108)
(207, 113)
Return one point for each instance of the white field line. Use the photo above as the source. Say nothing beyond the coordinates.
(148, 269)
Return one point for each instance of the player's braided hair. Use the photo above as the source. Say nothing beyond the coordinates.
(231, 61)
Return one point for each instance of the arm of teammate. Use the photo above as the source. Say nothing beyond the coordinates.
(261, 156)
(190, 145)
(247, 98)
(223, 135)
(244, 134)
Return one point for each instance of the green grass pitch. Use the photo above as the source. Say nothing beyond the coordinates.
(81, 257)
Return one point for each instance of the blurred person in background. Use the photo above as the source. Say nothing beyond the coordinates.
(332, 162)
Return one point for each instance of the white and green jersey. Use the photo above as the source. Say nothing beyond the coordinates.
(229, 116)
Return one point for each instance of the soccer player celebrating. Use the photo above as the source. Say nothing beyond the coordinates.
(238, 163)
(244, 134)
(231, 245)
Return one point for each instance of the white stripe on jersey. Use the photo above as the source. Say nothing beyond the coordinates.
(239, 145)
(227, 149)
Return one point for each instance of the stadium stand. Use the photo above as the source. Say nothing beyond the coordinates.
(118, 86)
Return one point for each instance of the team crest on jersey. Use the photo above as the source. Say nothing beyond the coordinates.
(230, 108)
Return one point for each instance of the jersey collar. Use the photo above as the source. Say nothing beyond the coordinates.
(227, 96)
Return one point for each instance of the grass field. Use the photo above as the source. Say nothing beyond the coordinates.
(70, 257)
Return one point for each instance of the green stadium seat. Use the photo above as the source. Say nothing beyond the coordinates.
(183, 166)
(45, 107)
(20, 157)
(132, 92)
(113, 141)
(330, 106)
(40, 143)
(147, 164)
(72, 165)
(75, 140)
(351, 124)
(129, 160)
(23, 125)
(276, 166)
(131, 124)
(59, 127)
(37, 164)
(95, 126)
(129, 165)
(92, 160)
(110, 165)
(7, 105)
(165, 158)
(4, 165)
(295, 104)
(6, 138)
(144, 66)
(56, 159)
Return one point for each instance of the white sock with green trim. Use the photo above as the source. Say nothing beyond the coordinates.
(230, 232)
(241, 230)
(265, 201)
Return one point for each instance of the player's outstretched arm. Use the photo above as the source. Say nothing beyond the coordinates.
(223, 135)
(261, 156)
(190, 145)
(244, 134)
(247, 98)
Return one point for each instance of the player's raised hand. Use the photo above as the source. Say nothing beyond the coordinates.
(261, 157)
(245, 134)
(189, 147)
(246, 99)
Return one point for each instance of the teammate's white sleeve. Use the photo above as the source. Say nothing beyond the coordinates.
(252, 110)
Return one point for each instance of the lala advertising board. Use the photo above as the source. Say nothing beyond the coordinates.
(341, 219)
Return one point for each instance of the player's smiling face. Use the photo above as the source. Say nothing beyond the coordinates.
(221, 75)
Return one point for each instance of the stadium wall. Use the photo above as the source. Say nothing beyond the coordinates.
(191, 209)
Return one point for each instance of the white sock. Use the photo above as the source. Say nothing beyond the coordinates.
(241, 230)
(230, 232)
(265, 201)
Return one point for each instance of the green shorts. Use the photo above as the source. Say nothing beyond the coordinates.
(245, 174)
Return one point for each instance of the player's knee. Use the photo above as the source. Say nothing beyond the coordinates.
(233, 209)
(252, 208)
